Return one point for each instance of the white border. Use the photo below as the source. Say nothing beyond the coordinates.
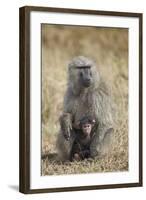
(132, 176)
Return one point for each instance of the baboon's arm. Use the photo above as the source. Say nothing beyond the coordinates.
(66, 125)
(104, 118)
(66, 118)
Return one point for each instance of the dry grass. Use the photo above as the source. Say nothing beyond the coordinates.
(109, 48)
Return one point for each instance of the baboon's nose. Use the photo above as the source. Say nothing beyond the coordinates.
(88, 80)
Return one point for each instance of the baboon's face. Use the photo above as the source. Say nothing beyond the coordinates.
(86, 128)
(82, 74)
(85, 76)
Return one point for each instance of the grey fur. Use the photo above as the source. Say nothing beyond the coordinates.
(79, 101)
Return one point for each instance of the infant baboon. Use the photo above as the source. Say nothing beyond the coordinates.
(86, 95)
(81, 145)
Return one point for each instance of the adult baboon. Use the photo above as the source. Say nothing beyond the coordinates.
(86, 95)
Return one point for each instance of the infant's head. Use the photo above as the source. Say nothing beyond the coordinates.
(86, 125)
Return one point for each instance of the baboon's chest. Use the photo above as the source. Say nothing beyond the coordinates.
(84, 106)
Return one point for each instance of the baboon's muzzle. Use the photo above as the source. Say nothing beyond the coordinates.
(87, 82)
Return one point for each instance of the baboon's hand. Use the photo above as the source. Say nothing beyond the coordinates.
(66, 125)
(67, 131)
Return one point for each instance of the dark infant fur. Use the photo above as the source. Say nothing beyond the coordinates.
(83, 138)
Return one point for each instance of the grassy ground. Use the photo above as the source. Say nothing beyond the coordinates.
(109, 48)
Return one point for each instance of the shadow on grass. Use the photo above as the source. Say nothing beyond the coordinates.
(49, 156)
(52, 158)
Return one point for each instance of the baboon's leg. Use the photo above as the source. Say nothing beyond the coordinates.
(107, 142)
(101, 142)
(64, 147)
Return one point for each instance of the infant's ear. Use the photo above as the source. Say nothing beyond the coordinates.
(77, 125)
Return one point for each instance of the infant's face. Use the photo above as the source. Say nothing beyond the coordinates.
(86, 128)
